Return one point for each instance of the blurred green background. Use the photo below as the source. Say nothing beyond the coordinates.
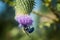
(47, 26)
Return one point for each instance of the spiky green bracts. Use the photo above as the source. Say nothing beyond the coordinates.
(24, 6)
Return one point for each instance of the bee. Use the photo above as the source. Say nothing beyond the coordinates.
(28, 29)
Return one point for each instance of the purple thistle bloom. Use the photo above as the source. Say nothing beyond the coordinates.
(24, 20)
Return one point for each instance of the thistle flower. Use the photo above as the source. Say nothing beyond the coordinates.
(24, 20)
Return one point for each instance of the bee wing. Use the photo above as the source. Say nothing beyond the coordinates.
(20, 26)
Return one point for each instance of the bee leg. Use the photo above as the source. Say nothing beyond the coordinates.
(27, 33)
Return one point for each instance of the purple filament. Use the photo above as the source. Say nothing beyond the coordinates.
(24, 20)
